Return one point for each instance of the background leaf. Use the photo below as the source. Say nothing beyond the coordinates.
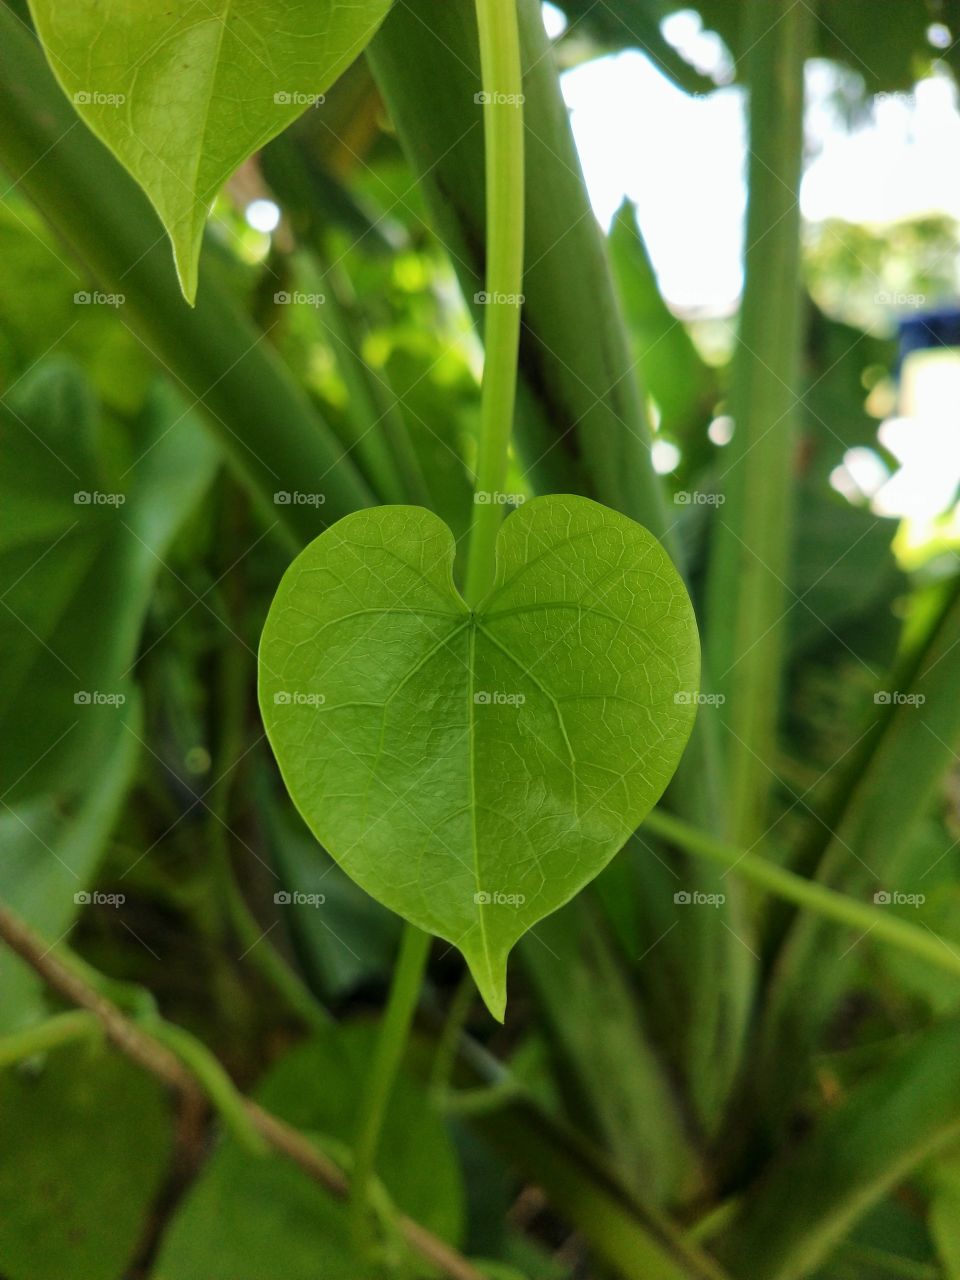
(184, 93)
(86, 1139)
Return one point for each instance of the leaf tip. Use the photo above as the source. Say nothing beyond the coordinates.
(490, 975)
(186, 258)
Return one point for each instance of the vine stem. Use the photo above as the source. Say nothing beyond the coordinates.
(809, 894)
(378, 1086)
(502, 100)
(503, 144)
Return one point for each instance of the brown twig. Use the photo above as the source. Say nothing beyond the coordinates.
(149, 1053)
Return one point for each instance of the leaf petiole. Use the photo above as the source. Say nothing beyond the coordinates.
(502, 99)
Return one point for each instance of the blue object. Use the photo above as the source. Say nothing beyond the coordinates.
(939, 328)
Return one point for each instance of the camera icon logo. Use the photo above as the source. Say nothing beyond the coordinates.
(82, 698)
(282, 898)
(82, 299)
(481, 698)
(482, 899)
(282, 498)
(281, 698)
(82, 899)
(882, 697)
(682, 898)
(82, 99)
(282, 298)
(882, 898)
(282, 99)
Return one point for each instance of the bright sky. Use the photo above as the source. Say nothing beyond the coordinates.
(684, 170)
(681, 159)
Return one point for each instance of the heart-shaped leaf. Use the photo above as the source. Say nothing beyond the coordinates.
(184, 91)
(474, 769)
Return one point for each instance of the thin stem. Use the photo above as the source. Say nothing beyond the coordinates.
(378, 1086)
(503, 144)
(924, 944)
(77, 1024)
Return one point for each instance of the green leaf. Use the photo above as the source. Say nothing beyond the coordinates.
(265, 1218)
(271, 433)
(671, 368)
(182, 93)
(903, 1113)
(474, 770)
(86, 1142)
(51, 847)
(83, 535)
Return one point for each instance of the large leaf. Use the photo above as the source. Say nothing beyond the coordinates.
(263, 1217)
(474, 769)
(182, 93)
(86, 1141)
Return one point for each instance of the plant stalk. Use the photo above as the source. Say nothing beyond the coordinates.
(503, 148)
(503, 127)
(378, 1086)
(810, 895)
(750, 565)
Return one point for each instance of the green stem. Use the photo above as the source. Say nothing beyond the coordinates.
(391, 1043)
(77, 1024)
(747, 598)
(503, 124)
(503, 143)
(924, 944)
